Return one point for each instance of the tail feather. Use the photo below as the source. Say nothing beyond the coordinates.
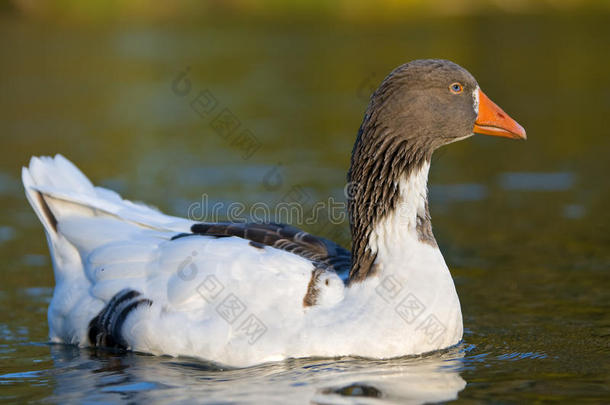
(60, 174)
(66, 259)
(79, 217)
(57, 189)
(38, 203)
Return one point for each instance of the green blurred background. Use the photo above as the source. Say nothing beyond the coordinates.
(353, 10)
(524, 226)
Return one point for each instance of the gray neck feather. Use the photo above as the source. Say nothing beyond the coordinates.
(381, 157)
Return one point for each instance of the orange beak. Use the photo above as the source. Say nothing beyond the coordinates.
(493, 121)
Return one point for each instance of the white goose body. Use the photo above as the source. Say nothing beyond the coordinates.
(130, 277)
(222, 299)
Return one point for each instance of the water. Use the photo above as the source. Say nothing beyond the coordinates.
(524, 226)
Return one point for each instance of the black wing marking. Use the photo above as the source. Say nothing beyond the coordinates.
(105, 328)
(322, 252)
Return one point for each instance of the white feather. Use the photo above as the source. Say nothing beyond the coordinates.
(103, 244)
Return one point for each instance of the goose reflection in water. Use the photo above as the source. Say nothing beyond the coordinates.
(107, 376)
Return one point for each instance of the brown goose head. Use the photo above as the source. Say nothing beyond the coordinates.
(434, 102)
(419, 107)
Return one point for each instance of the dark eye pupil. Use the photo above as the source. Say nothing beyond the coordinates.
(456, 87)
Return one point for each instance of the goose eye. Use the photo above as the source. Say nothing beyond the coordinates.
(456, 88)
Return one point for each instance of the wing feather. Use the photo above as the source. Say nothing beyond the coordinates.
(322, 252)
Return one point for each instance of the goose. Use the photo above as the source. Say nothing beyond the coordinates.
(128, 277)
